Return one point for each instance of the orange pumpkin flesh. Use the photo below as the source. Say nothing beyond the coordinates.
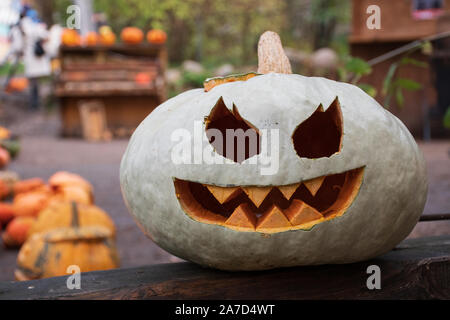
(268, 209)
(213, 82)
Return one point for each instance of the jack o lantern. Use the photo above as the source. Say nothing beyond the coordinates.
(132, 35)
(344, 180)
(156, 36)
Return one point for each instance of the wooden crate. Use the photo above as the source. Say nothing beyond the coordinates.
(127, 79)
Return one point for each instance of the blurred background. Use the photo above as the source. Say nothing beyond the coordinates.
(77, 77)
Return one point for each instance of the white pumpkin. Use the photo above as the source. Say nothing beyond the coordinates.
(387, 193)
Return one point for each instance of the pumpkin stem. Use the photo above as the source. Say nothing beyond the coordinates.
(271, 56)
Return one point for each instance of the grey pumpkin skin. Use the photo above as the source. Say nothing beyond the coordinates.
(387, 207)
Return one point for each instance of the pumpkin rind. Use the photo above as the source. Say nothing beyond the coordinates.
(388, 205)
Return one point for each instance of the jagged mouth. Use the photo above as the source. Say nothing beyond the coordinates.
(270, 209)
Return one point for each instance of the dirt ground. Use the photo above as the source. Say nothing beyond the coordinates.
(43, 153)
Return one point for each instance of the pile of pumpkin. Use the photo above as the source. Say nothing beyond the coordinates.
(9, 147)
(105, 36)
(56, 225)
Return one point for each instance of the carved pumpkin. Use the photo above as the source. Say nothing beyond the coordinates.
(49, 254)
(91, 39)
(70, 37)
(345, 180)
(16, 232)
(156, 36)
(132, 35)
(66, 214)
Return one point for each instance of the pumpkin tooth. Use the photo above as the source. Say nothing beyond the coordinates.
(223, 194)
(314, 185)
(242, 218)
(271, 220)
(288, 190)
(257, 194)
(300, 213)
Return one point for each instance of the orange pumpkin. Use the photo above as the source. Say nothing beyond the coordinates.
(63, 179)
(156, 36)
(107, 37)
(132, 35)
(50, 254)
(6, 213)
(27, 185)
(4, 157)
(17, 84)
(17, 231)
(142, 78)
(91, 38)
(73, 193)
(5, 189)
(70, 37)
(31, 203)
(5, 133)
(66, 214)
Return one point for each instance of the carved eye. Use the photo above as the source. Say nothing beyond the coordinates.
(321, 134)
(231, 136)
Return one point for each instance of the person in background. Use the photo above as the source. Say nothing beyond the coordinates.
(28, 42)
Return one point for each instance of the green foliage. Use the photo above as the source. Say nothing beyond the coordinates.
(447, 118)
(5, 68)
(394, 86)
(193, 79)
(370, 90)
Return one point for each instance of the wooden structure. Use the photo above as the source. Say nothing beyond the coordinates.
(127, 79)
(399, 27)
(415, 269)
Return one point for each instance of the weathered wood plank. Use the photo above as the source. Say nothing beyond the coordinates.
(416, 269)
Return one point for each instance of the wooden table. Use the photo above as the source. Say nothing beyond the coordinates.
(415, 269)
